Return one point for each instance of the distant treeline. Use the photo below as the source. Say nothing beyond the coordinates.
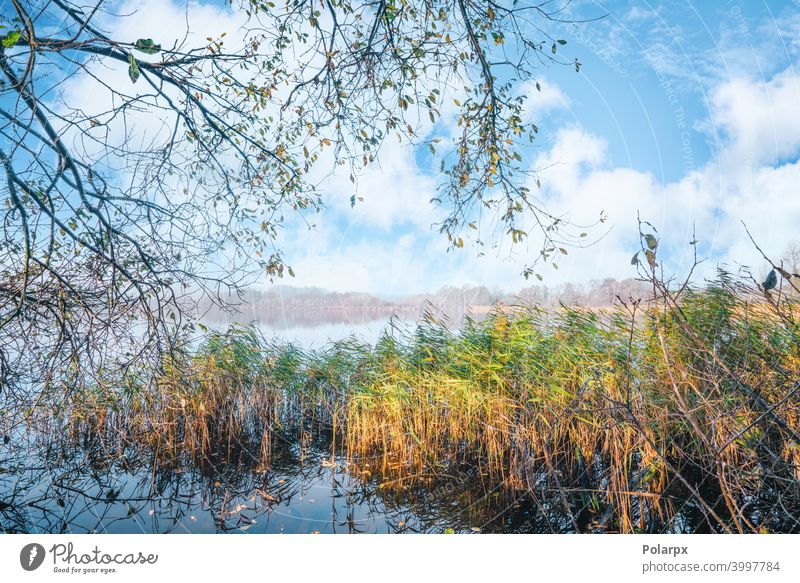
(316, 304)
(679, 413)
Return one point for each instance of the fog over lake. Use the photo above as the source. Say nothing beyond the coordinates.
(313, 316)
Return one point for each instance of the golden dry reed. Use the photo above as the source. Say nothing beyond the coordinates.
(633, 411)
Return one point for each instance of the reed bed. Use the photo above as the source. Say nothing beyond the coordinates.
(631, 416)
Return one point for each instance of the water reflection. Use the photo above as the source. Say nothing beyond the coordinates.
(97, 484)
(93, 485)
(316, 327)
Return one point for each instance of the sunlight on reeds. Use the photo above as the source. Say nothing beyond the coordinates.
(629, 413)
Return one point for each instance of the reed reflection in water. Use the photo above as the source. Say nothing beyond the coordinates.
(93, 485)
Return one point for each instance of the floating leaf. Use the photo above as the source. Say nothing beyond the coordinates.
(147, 46)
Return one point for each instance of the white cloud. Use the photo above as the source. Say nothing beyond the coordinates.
(759, 118)
(753, 176)
(547, 98)
(394, 190)
(750, 179)
(364, 264)
(743, 182)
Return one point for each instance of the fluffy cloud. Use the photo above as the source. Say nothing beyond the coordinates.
(758, 118)
(394, 190)
(752, 178)
(385, 243)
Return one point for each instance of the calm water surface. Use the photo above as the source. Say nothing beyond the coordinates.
(54, 483)
(51, 483)
(88, 487)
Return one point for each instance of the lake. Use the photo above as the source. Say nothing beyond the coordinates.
(94, 486)
(57, 481)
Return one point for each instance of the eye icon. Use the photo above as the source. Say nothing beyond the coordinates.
(31, 556)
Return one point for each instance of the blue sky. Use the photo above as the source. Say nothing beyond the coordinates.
(645, 64)
(683, 111)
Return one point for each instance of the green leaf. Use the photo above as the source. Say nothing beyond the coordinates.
(133, 68)
(635, 259)
(147, 46)
(11, 39)
(651, 241)
(449, 531)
